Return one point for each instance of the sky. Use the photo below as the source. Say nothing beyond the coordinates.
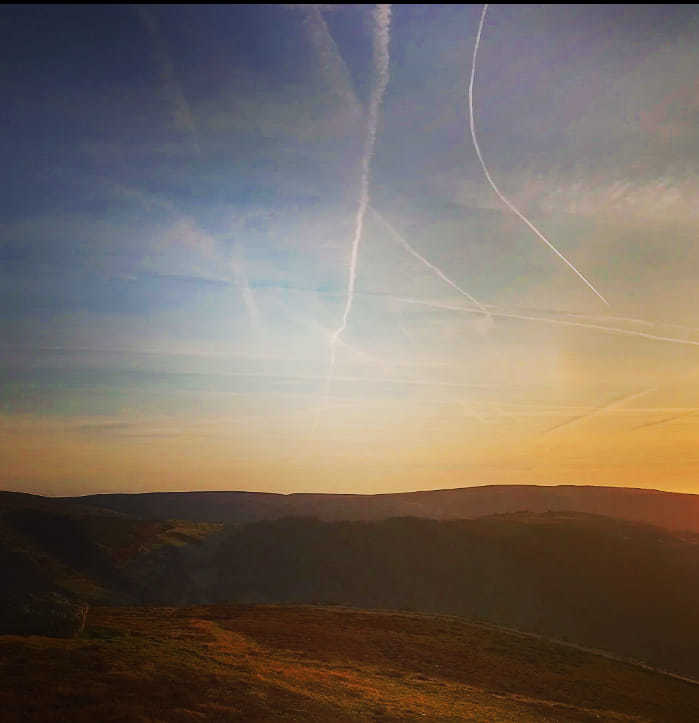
(253, 247)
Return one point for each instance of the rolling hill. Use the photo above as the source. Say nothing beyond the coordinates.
(620, 586)
(671, 510)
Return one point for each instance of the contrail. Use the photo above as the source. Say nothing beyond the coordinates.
(665, 421)
(357, 351)
(616, 331)
(490, 308)
(241, 280)
(499, 193)
(614, 318)
(427, 263)
(599, 410)
(382, 28)
(173, 90)
(332, 64)
(599, 327)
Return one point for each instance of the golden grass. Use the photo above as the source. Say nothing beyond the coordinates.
(308, 663)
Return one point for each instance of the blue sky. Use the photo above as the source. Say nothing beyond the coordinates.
(181, 190)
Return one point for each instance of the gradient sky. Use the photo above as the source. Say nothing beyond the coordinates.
(180, 192)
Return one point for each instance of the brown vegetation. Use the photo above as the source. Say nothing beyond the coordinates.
(314, 663)
(602, 583)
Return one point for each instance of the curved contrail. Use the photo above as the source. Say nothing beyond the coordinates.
(499, 193)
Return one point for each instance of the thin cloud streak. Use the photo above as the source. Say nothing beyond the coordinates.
(172, 88)
(382, 29)
(331, 61)
(498, 192)
(599, 410)
(240, 278)
(556, 322)
(360, 353)
(382, 26)
(667, 420)
(427, 263)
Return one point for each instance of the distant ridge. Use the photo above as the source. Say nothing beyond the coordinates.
(671, 510)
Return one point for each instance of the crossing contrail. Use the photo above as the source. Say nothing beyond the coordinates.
(613, 330)
(498, 192)
(332, 65)
(382, 29)
(356, 351)
(427, 263)
(599, 410)
(382, 26)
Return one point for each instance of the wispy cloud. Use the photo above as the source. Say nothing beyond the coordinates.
(181, 112)
(330, 60)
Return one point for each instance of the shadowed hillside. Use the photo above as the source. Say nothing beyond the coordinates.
(629, 588)
(620, 586)
(671, 510)
(319, 664)
(91, 554)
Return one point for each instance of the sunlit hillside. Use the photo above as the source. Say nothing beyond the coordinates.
(320, 664)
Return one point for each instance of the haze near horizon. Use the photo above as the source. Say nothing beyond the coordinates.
(268, 248)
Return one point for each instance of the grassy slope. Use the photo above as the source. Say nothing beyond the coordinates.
(315, 663)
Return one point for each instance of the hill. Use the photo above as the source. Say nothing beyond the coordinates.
(671, 510)
(91, 554)
(624, 587)
(319, 664)
(628, 588)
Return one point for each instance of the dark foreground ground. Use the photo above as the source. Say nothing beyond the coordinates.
(232, 662)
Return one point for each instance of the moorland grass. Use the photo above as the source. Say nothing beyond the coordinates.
(235, 662)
